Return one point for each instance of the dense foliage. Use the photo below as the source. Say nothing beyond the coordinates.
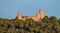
(46, 25)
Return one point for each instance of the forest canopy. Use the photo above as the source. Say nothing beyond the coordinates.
(46, 25)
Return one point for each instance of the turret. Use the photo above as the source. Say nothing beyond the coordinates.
(19, 16)
(40, 15)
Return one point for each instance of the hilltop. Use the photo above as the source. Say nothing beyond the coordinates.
(46, 25)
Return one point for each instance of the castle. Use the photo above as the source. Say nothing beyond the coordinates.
(37, 17)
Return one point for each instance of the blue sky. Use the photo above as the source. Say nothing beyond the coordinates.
(10, 8)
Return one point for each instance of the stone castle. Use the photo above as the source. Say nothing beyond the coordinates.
(37, 17)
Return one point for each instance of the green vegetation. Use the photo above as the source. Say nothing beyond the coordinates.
(46, 25)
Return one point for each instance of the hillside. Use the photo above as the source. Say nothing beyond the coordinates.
(46, 25)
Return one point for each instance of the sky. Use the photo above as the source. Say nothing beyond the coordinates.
(10, 8)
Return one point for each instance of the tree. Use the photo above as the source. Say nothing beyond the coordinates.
(30, 20)
(59, 21)
(46, 19)
(53, 19)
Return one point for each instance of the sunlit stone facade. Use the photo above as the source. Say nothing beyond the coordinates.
(39, 15)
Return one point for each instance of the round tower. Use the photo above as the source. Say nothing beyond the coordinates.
(41, 14)
(37, 16)
(19, 16)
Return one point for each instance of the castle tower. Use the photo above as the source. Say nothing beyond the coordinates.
(19, 16)
(40, 15)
